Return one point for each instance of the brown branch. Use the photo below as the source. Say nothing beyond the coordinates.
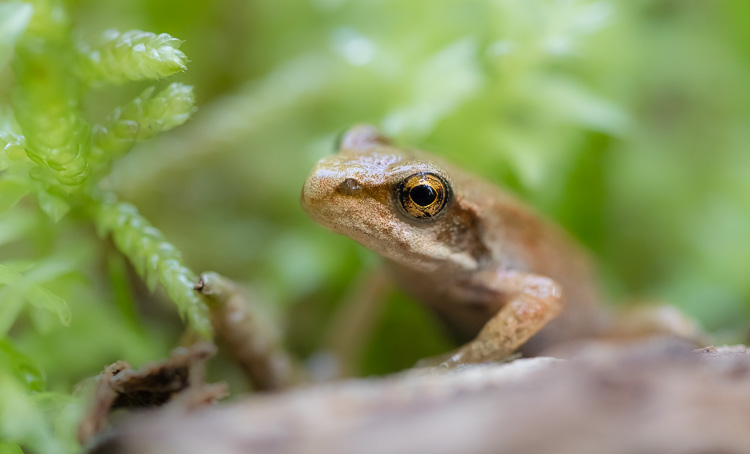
(253, 344)
(652, 397)
(119, 386)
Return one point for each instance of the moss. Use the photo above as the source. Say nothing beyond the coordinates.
(48, 151)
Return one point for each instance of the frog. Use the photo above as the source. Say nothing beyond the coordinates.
(501, 277)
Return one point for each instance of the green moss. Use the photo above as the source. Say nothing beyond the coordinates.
(153, 257)
(47, 150)
(133, 55)
(142, 118)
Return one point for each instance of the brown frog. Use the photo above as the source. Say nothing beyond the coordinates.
(491, 268)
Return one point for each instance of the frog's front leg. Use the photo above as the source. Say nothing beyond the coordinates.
(529, 302)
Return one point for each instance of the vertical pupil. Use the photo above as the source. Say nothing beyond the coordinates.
(423, 195)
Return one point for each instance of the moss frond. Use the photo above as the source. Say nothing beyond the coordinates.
(142, 118)
(48, 149)
(153, 257)
(133, 55)
(45, 102)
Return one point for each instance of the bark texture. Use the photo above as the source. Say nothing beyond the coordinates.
(657, 396)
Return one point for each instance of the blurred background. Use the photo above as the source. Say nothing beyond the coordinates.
(624, 120)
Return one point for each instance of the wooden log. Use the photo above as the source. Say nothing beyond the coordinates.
(653, 397)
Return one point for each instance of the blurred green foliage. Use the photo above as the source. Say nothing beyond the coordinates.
(624, 120)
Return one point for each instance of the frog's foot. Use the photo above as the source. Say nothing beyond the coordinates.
(534, 301)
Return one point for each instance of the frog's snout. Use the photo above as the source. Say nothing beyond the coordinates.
(317, 190)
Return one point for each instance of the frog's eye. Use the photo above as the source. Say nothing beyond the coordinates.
(423, 195)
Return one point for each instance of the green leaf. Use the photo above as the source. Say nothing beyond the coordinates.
(11, 306)
(36, 295)
(22, 366)
(12, 189)
(572, 102)
(14, 224)
(22, 420)
(7, 447)
(55, 206)
(46, 299)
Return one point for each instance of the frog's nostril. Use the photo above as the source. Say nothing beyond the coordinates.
(351, 183)
(349, 186)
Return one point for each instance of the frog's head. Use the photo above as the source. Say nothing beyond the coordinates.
(399, 203)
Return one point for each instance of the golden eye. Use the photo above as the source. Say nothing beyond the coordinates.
(423, 195)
